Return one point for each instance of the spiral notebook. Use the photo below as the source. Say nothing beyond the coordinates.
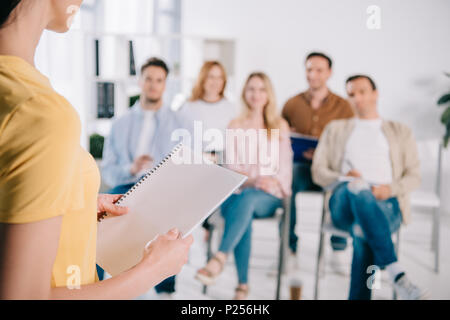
(173, 194)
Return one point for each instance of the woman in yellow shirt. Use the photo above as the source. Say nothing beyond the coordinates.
(49, 202)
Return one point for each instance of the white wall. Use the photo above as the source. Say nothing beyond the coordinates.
(68, 59)
(406, 57)
(59, 58)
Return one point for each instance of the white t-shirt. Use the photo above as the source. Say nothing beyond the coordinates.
(367, 151)
(215, 115)
(147, 132)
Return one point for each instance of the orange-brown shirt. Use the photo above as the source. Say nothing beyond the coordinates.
(305, 120)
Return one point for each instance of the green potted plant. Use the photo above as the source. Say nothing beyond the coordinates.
(445, 118)
(96, 142)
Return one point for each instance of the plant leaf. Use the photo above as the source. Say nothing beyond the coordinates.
(445, 118)
(444, 99)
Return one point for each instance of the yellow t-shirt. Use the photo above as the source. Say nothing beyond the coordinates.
(44, 171)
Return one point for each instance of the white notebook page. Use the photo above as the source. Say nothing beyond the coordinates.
(173, 195)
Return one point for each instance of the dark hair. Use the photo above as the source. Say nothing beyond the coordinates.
(155, 62)
(362, 76)
(6, 7)
(322, 55)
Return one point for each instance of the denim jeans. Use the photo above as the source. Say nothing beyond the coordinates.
(302, 181)
(371, 223)
(238, 211)
(167, 285)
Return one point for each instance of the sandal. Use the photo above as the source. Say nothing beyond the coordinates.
(241, 293)
(206, 276)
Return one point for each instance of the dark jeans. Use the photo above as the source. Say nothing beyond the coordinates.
(371, 223)
(302, 181)
(167, 285)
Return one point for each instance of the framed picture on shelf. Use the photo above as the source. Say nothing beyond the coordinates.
(105, 100)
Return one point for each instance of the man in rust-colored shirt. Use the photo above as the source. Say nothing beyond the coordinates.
(305, 119)
(308, 113)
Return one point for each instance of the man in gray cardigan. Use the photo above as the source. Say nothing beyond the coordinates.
(373, 165)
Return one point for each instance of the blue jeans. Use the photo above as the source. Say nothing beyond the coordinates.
(239, 210)
(302, 181)
(371, 223)
(167, 285)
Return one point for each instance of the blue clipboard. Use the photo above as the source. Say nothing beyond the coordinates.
(301, 143)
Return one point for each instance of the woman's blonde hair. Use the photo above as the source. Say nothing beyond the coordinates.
(198, 91)
(272, 119)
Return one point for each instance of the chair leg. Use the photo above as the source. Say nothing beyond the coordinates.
(286, 227)
(318, 265)
(283, 245)
(280, 269)
(208, 251)
(397, 248)
(435, 241)
(437, 211)
(433, 231)
(320, 250)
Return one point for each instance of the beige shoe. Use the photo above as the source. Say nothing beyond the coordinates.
(206, 276)
(241, 293)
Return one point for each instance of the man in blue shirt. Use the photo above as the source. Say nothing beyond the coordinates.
(141, 138)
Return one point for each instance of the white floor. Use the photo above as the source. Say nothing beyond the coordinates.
(415, 255)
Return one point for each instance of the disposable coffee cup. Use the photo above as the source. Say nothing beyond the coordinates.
(295, 287)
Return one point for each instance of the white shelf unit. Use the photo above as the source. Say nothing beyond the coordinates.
(183, 54)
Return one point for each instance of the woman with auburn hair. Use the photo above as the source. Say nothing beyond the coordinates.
(268, 182)
(49, 201)
(208, 104)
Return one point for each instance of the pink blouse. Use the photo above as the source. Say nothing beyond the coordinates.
(249, 151)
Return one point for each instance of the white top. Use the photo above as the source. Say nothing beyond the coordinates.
(216, 115)
(367, 151)
(147, 132)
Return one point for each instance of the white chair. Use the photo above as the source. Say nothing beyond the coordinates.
(431, 199)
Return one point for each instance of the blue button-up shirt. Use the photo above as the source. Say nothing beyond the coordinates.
(121, 145)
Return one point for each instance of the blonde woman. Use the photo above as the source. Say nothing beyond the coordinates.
(49, 202)
(208, 104)
(261, 195)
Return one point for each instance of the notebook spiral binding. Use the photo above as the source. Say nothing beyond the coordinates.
(148, 174)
